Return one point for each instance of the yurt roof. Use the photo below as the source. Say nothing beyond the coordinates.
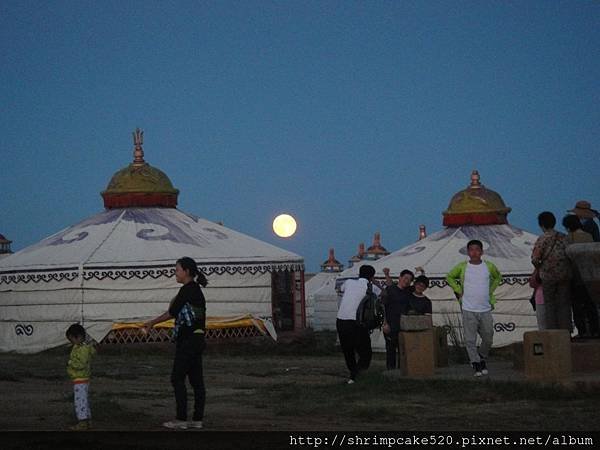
(508, 247)
(318, 281)
(147, 236)
(332, 264)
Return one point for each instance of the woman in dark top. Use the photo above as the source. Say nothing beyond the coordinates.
(418, 303)
(189, 310)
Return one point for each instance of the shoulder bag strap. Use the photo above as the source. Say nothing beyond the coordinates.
(550, 251)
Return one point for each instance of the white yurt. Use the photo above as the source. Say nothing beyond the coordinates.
(117, 268)
(473, 213)
(320, 290)
(320, 314)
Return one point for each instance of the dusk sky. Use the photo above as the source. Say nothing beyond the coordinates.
(354, 117)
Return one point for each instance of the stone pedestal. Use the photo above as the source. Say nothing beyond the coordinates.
(547, 355)
(415, 322)
(416, 354)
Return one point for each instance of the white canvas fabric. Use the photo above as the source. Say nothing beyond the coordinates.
(322, 301)
(508, 247)
(119, 265)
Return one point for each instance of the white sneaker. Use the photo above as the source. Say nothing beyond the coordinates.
(194, 424)
(176, 424)
(350, 381)
(483, 367)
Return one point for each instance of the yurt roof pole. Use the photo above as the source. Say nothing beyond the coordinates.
(108, 235)
(81, 290)
(442, 247)
(92, 253)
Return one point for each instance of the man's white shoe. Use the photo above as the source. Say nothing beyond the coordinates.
(483, 367)
(350, 381)
(194, 424)
(477, 369)
(176, 424)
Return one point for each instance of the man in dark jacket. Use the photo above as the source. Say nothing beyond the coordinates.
(395, 300)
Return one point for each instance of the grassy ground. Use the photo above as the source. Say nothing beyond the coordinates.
(260, 385)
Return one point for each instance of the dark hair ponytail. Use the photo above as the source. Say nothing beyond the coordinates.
(190, 265)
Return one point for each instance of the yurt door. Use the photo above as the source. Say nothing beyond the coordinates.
(282, 289)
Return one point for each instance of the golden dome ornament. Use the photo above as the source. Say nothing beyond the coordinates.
(139, 184)
(476, 205)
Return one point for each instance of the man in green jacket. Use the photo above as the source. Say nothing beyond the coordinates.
(474, 283)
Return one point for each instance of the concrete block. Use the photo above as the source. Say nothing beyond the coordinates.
(416, 354)
(547, 355)
(415, 322)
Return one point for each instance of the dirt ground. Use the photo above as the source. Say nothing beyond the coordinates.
(260, 386)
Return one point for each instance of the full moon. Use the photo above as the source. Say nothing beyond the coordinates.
(284, 225)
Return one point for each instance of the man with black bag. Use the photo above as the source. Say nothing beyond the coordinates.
(354, 338)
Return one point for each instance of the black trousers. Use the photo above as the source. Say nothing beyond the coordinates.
(354, 340)
(391, 349)
(585, 312)
(391, 340)
(188, 363)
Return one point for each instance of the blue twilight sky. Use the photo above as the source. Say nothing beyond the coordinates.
(353, 116)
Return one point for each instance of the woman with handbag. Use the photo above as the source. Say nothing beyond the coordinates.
(550, 257)
(188, 309)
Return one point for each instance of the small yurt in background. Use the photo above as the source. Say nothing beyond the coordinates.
(117, 268)
(319, 314)
(5, 247)
(320, 290)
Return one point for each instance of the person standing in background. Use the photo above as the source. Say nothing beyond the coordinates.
(585, 312)
(550, 257)
(583, 210)
(394, 298)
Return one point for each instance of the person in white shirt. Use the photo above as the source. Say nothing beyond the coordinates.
(474, 283)
(355, 339)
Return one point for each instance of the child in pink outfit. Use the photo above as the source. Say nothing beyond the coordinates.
(540, 309)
